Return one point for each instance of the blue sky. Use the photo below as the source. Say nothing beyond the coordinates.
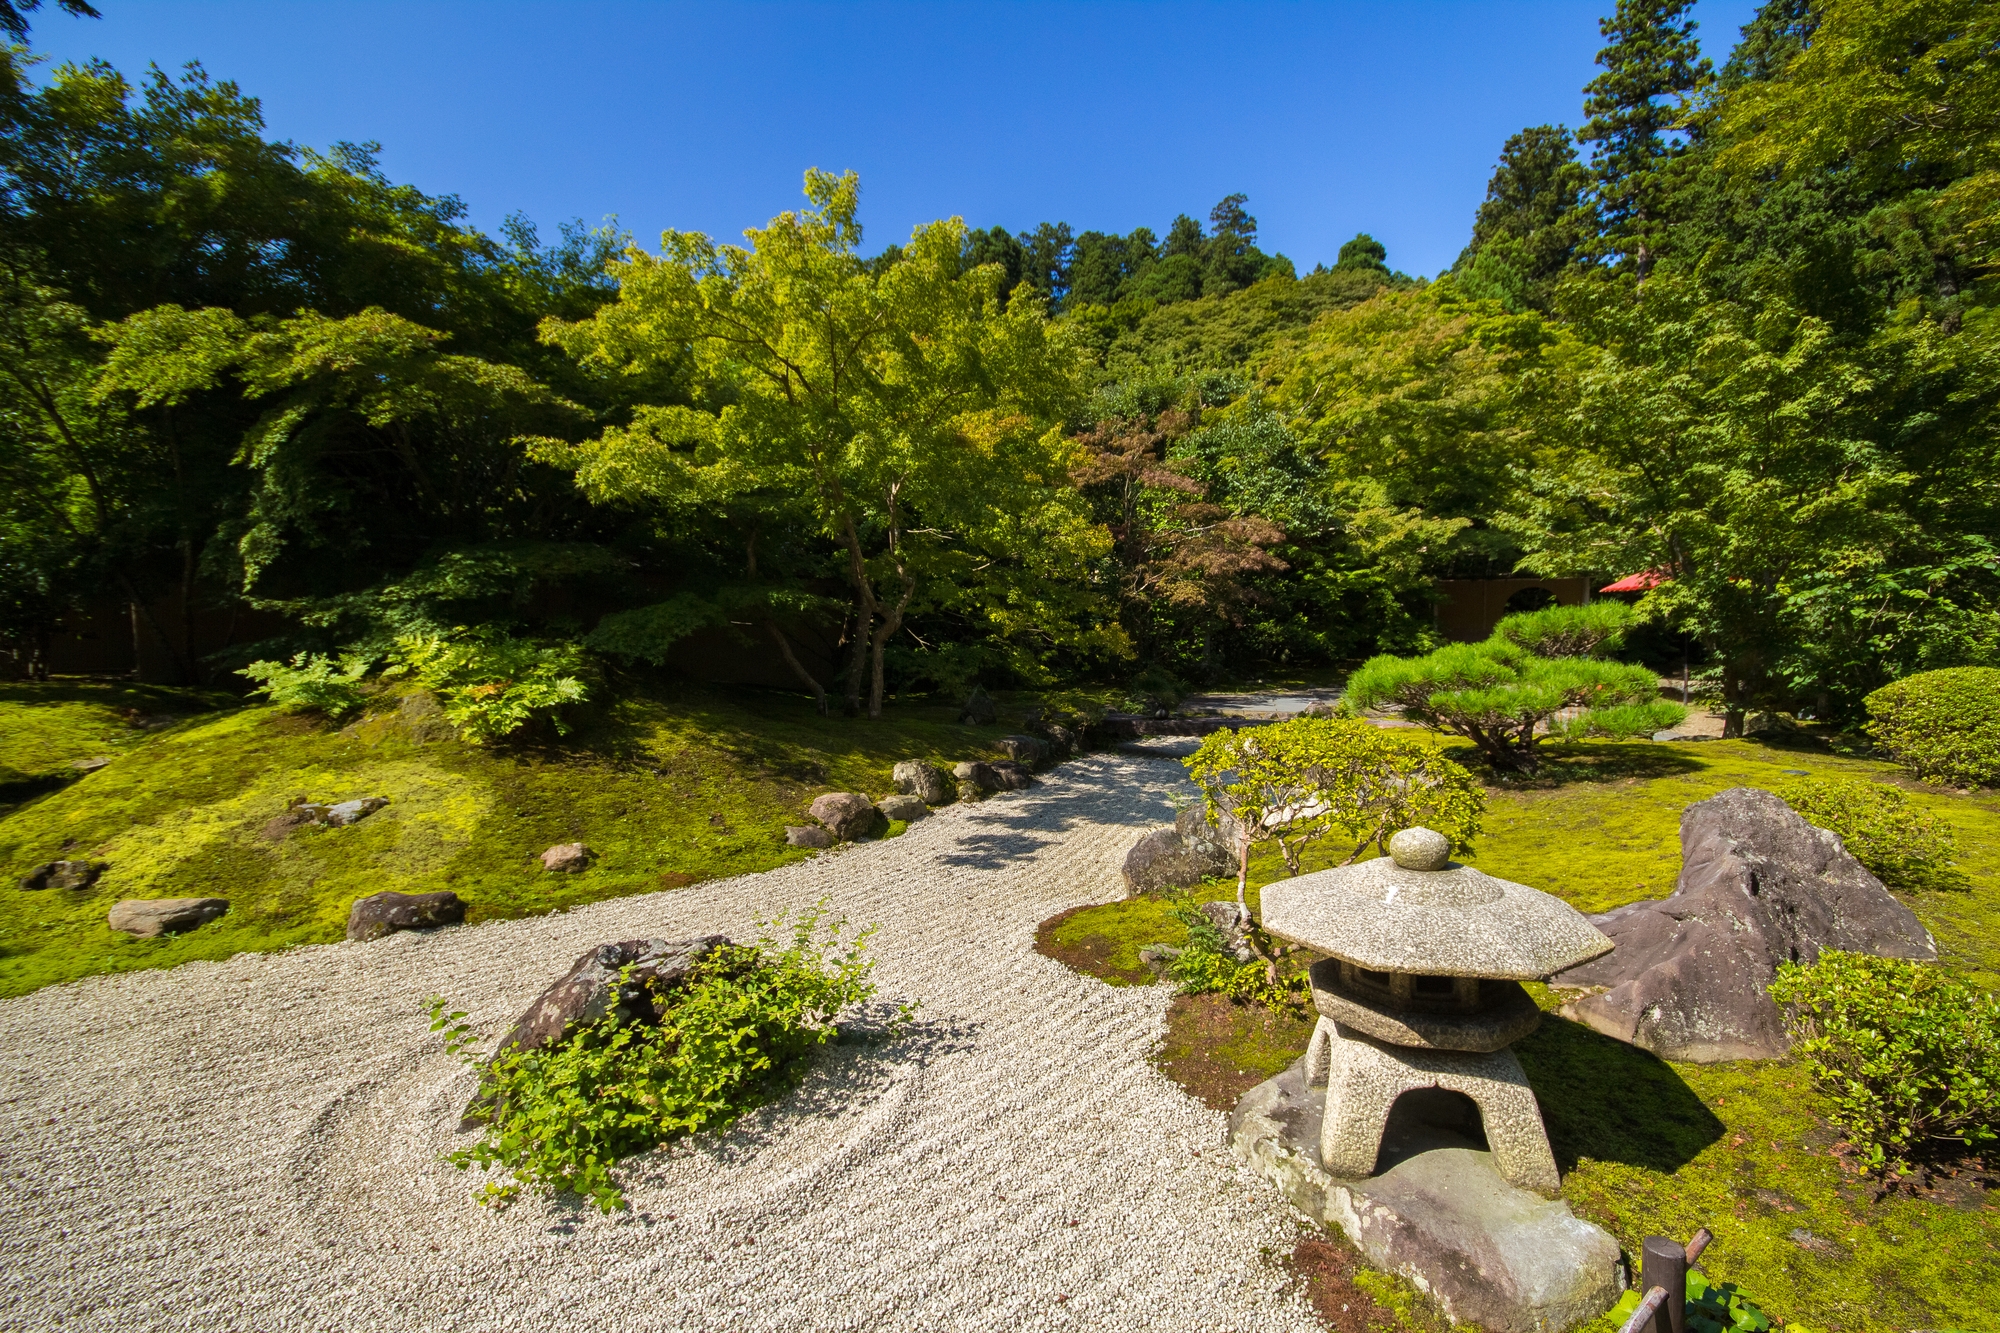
(1334, 118)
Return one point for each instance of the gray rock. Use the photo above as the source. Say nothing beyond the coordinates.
(344, 813)
(847, 815)
(979, 710)
(567, 858)
(1758, 886)
(1439, 1214)
(909, 809)
(149, 918)
(1029, 750)
(1159, 860)
(977, 774)
(90, 765)
(1011, 776)
(591, 988)
(1213, 843)
(926, 781)
(1234, 923)
(386, 913)
(64, 875)
(806, 835)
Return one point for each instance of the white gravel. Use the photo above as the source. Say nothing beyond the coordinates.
(255, 1144)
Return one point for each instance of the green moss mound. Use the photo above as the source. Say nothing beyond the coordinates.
(667, 788)
(1652, 1148)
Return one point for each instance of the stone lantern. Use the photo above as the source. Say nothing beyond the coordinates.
(1421, 989)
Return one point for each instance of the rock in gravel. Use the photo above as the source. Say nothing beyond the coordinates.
(149, 918)
(568, 857)
(807, 835)
(591, 988)
(1161, 860)
(926, 781)
(1758, 886)
(64, 875)
(1029, 750)
(386, 913)
(909, 809)
(977, 774)
(1012, 776)
(847, 815)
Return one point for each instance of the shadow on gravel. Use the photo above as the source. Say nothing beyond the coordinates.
(1013, 828)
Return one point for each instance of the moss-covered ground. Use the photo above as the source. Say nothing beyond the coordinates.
(1652, 1148)
(668, 787)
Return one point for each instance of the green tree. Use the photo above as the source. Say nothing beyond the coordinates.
(1652, 66)
(1532, 225)
(922, 418)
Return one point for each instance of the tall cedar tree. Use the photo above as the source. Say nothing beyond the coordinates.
(1531, 226)
(1650, 66)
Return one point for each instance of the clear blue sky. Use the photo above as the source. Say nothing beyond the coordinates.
(1335, 118)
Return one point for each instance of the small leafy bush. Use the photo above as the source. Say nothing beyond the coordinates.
(733, 1037)
(1205, 967)
(313, 682)
(1301, 780)
(1906, 846)
(1595, 630)
(1944, 726)
(1506, 701)
(491, 684)
(1907, 1055)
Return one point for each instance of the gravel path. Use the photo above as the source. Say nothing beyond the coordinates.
(254, 1144)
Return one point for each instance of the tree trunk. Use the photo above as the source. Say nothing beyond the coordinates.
(792, 661)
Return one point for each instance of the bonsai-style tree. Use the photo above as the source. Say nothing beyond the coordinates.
(1595, 630)
(1505, 700)
(1298, 781)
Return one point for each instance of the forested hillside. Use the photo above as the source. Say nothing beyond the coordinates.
(1736, 331)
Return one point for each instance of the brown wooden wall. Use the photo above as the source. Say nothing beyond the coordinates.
(1468, 609)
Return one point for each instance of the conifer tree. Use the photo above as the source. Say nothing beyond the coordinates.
(1650, 66)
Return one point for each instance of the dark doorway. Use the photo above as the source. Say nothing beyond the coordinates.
(1529, 599)
(1427, 1118)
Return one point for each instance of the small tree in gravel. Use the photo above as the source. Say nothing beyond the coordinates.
(1505, 700)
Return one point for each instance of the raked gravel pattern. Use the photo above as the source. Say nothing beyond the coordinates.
(255, 1144)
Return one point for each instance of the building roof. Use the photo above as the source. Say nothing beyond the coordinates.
(1640, 582)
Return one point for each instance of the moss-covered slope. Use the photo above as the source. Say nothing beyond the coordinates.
(667, 789)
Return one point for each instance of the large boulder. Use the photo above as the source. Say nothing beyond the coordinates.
(1758, 886)
(807, 835)
(978, 775)
(64, 875)
(1012, 776)
(386, 913)
(909, 809)
(1214, 842)
(847, 815)
(149, 918)
(916, 777)
(1029, 750)
(592, 988)
(1162, 859)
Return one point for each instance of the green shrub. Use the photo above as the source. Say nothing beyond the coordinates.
(491, 684)
(1505, 700)
(1907, 1055)
(733, 1037)
(1594, 630)
(1205, 967)
(1298, 781)
(1944, 726)
(1907, 846)
(313, 682)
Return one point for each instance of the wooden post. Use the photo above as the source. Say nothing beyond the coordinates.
(1666, 1265)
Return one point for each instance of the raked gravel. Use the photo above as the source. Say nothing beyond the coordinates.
(255, 1144)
